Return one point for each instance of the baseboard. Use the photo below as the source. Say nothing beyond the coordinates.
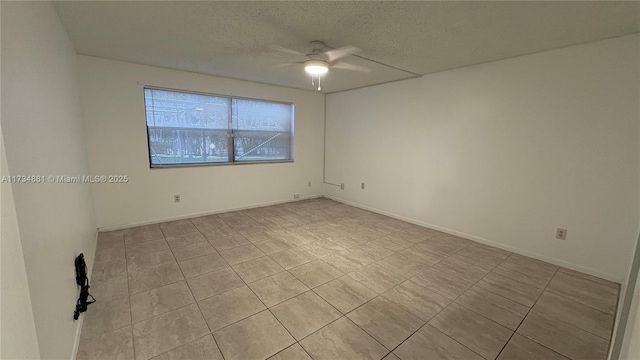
(540, 257)
(205, 213)
(76, 342)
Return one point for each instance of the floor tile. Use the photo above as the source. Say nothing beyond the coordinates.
(519, 347)
(581, 316)
(200, 349)
(262, 236)
(534, 268)
(430, 343)
(401, 235)
(474, 331)
(404, 263)
(511, 289)
(109, 289)
(106, 316)
(202, 265)
(103, 255)
(460, 269)
(345, 294)
(186, 239)
(376, 278)
(257, 269)
(315, 273)
(212, 233)
(480, 256)
(399, 241)
(277, 288)
(364, 256)
(241, 254)
(256, 337)
(160, 300)
(522, 278)
(299, 237)
(142, 234)
(305, 314)
(503, 253)
(177, 228)
(439, 246)
(154, 277)
(111, 237)
(231, 306)
(376, 251)
(390, 245)
(421, 231)
(142, 262)
(293, 352)
(213, 283)
(146, 247)
(276, 223)
(445, 284)
(191, 251)
(207, 222)
(505, 312)
(563, 338)
(142, 228)
(317, 250)
(345, 261)
(293, 257)
(429, 258)
(417, 300)
(385, 321)
(109, 270)
(342, 339)
(222, 243)
(116, 345)
(162, 333)
(585, 289)
(273, 246)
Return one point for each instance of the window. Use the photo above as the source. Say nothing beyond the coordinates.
(194, 129)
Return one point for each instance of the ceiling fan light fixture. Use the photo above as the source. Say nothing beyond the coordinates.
(316, 67)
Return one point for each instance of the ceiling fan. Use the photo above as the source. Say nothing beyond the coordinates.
(321, 58)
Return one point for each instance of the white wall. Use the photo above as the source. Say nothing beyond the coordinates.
(43, 135)
(18, 339)
(113, 107)
(504, 152)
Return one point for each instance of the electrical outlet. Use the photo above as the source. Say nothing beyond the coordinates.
(362, 186)
(176, 198)
(561, 234)
(296, 196)
(309, 185)
(342, 186)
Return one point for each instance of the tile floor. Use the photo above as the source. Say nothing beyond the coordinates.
(317, 279)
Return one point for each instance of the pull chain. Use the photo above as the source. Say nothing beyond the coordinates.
(319, 88)
(312, 84)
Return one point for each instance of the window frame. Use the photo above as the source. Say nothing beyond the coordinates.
(230, 132)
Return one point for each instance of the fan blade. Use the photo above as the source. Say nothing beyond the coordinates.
(347, 66)
(335, 54)
(285, 50)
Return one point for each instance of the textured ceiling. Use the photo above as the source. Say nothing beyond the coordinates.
(232, 39)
